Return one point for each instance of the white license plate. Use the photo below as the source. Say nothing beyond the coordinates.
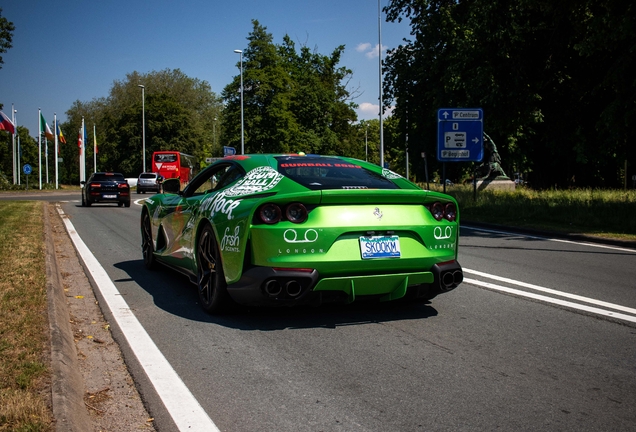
(380, 247)
(109, 196)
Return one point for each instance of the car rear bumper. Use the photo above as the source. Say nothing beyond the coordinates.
(267, 286)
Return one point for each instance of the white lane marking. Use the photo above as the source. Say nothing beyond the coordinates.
(598, 245)
(185, 410)
(552, 300)
(554, 292)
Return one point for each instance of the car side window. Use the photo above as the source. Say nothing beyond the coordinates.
(229, 177)
(207, 181)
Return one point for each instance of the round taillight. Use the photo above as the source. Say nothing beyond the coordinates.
(450, 212)
(270, 213)
(296, 213)
(437, 210)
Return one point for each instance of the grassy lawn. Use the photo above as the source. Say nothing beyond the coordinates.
(24, 333)
(597, 212)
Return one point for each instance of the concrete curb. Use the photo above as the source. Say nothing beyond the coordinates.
(67, 384)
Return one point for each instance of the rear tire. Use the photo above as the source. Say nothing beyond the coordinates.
(147, 248)
(211, 285)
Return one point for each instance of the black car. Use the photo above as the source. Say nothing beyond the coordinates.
(149, 182)
(106, 187)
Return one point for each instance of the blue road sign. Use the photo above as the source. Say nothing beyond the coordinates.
(460, 134)
(229, 151)
(26, 168)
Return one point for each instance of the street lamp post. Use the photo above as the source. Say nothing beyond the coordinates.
(240, 53)
(143, 124)
(214, 132)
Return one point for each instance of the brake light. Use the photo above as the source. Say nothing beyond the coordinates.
(443, 211)
(122, 186)
(450, 212)
(437, 210)
(270, 213)
(296, 213)
(96, 185)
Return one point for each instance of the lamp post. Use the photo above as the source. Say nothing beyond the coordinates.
(143, 124)
(214, 132)
(240, 53)
(366, 143)
(380, 74)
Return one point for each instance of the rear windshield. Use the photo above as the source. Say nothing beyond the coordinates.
(319, 173)
(107, 176)
(150, 176)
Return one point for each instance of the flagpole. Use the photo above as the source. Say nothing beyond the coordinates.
(56, 149)
(94, 149)
(83, 161)
(380, 74)
(40, 146)
(15, 165)
(46, 157)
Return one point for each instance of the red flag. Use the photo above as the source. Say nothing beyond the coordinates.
(80, 140)
(6, 124)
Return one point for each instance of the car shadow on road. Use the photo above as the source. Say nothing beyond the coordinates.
(173, 293)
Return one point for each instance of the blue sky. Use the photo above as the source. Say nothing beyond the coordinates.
(71, 50)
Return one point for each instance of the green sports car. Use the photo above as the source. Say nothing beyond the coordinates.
(303, 229)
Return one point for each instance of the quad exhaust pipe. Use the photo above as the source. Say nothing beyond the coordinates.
(273, 288)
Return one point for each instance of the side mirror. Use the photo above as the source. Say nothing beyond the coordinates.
(172, 186)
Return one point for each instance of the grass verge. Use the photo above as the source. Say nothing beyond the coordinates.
(24, 334)
(595, 212)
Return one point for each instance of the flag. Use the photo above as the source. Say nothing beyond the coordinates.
(94, 142)
(6, 123)
(85, 136)
(60, 135)
(44, 127)
(80, 144)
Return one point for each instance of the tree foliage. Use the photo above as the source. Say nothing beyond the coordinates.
(294, 99)
(6, 36)
(553, 79)
(180, 114)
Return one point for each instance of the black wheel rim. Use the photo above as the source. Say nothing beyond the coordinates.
(147, 240)
(207, 267)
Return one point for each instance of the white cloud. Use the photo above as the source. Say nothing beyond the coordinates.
(363, 47)
(367, 111)
(370, 51)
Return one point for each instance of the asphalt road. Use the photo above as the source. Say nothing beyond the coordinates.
(482, 357)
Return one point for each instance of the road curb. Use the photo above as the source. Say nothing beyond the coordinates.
(67, 384)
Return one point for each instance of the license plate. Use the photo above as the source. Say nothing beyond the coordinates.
(109, 196)
(380, 247)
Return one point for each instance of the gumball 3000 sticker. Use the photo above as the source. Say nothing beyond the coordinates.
(388, 174)
(258, 180)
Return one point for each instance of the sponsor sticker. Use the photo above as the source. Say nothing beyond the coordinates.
(259, 179)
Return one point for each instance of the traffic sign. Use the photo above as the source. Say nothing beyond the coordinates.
(229, 151)
(26, 168)
(460, 134)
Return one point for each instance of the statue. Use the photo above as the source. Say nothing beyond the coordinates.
(490, 168)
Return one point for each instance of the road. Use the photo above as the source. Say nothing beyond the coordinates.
(477, 358)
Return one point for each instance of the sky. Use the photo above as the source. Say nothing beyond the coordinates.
(69, 50)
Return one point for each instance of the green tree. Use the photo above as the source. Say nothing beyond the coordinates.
(294, 100)
(180, 114)
(28, 155)
(552, 78)
(6, 37)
